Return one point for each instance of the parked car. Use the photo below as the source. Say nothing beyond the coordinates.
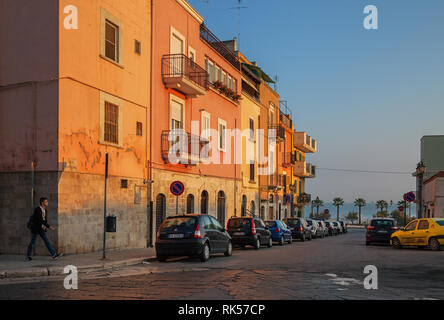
(299, 228)
(316, 232)
(380, 230)
(192, 235)
(332, 230)
(344, 226)
(280, 232)
(323, 227)
(337, 226)
(422, 233)
(249, 231)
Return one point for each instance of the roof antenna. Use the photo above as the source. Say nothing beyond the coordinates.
(276, 80)
(239, 8)
(208, 4)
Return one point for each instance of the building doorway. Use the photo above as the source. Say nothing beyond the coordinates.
(160, 210)
(190, 203)
(204, 202)
(221, 207)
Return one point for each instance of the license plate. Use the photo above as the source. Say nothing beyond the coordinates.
(175, 236)
(238, 233)
(382, 231)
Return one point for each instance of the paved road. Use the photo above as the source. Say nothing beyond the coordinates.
(330, 268)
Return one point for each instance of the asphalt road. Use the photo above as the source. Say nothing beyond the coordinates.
(330, 268)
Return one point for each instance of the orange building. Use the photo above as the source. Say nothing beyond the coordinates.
(69, 95)
(196, 80)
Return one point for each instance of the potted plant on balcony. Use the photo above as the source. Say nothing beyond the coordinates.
(237, 97)
(230, 93)
(217, 85)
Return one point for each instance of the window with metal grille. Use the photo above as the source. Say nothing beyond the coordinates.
(252, 171)
(111, 41)
(139, 129)
(111, 123)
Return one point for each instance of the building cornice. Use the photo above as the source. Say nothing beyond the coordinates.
(191, 10)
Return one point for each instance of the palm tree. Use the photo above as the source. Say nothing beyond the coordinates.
(338, 202)
(360, 202)
(381, 204)
(318, 203)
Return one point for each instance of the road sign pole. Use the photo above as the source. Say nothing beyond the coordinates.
(177, 205)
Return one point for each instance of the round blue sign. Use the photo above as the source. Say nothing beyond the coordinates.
(177, 188)
(410, 197)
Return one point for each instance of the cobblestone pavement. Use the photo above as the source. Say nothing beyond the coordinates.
(330, 268)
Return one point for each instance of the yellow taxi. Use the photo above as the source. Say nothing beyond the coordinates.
(421, 233)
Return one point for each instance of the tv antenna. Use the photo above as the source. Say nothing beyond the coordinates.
(276, 80)
(239, 8)
(208, 5)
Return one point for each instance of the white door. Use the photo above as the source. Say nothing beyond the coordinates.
(177, 47)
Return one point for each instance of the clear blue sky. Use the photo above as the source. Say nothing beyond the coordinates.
(367, 96)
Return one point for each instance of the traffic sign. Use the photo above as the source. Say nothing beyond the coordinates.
(177, 188)
(410, 197)
(326, 211)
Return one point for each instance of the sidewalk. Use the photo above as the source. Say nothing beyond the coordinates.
(15, 266)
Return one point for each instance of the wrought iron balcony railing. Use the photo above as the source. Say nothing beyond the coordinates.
(181, 147)
(287, 159)
(219, 46)
(276, 131)
(183, 74)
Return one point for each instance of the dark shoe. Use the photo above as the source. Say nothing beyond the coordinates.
(28, 259)
(57, 256)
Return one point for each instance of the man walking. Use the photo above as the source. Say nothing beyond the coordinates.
(39, 225)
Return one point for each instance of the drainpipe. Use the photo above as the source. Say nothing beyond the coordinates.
(235, 173)
(150, 161)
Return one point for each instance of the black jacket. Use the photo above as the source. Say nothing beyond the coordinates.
(38, 221)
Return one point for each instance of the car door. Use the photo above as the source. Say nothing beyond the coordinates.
(220, 235)
(407, 237)
(210, 233)
(286, 229)
(422, 233)
(260, 230)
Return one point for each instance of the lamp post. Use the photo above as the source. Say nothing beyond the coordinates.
(419, 174)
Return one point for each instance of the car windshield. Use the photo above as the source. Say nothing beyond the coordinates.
(382, 223)
(292, 222)
(180, 223)
(239, 223)
(440, 222)
(271, 224)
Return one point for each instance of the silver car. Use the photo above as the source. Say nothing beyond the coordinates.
(316, 231)
(323, 227)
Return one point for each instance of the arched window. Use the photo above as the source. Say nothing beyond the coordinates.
(221, 207)
(190, 203)
(160, 210)
(204, 202)
(252, 207)
(244, 205)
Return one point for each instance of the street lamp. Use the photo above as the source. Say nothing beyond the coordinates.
(419, 174)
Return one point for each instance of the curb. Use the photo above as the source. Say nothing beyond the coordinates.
(59, 270)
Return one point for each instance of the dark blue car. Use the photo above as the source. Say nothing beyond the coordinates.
(280, 232)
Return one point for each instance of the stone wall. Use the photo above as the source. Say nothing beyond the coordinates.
(15, 210)
(81, 206)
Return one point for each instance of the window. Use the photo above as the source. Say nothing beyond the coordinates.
(192, 54)
(251, 129)
(139, 127)
(423, 225)
(111, 38)
(190, 203)
(217, 74)
(411, 226)
(222, 126)
(209, 67)
(111, 123)
(205, 125)
(252, 171)
(177, 113)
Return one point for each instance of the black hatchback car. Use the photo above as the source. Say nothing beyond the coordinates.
(249, 231)
(380, 230)
(299, 228)
(192, 235)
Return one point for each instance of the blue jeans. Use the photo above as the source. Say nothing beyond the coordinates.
(48, 245)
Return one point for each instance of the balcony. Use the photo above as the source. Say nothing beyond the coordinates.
(286, 120)
(181, 147)
(182, 74)
(276, 132)
(305, 143)
(287, 159)
(304, 169)
(219, 46)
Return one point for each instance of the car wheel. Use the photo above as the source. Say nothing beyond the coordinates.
(396, 243)
(205, 255)
(290, 241)
(161, 258)
(229, 251)
(303, 237)
(270, 242)
(434, 244)
(281, 241)
(309, 238)
(367, 243)
(257, 245)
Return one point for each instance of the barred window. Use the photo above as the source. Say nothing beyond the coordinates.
(111, 123)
